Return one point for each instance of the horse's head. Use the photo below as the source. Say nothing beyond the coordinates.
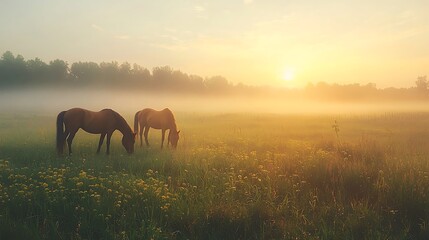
(174, 138)
(128, 142)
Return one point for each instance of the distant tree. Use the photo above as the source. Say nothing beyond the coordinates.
(217, 84)
(87, 72)
(196, 83)
(8, 57)
(109, 72)
(6, 62)
(162, 77)
(371, 86)
(58, 70)
(37, 70)
(140, 76)
(13, 70)
(181, 81)
(125, 70)
(422, 83)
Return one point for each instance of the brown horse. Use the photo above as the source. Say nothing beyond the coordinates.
(104, 122)
(149, 118)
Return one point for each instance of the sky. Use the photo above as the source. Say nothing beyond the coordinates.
(271, 42)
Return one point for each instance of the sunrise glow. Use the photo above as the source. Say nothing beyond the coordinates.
(244, 41)
(288, 74)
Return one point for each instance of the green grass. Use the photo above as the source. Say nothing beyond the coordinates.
(233, 176)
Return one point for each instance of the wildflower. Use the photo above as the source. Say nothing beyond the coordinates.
(82, 174)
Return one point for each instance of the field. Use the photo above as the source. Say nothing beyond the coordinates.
(233, 176)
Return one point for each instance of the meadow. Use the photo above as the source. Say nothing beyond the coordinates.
(233, 176)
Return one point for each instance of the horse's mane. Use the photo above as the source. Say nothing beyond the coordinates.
(170, 114)
(121, 120)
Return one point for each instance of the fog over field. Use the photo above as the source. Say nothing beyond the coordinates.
(52, 101)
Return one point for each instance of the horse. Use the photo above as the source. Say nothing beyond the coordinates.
(150, 118)
(104, 122)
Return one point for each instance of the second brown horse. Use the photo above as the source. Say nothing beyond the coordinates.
(104, 122)
(150, 118)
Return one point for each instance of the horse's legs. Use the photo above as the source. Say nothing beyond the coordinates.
(169, 137)
(70, 140)
(163, 137)
(141, 135)
(101, 142)
(66, 134)
(109, 135)
(146, 131)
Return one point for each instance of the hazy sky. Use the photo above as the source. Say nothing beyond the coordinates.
(251, 41)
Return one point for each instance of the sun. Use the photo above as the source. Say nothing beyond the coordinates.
(288, 74)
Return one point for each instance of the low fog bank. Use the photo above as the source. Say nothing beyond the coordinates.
(126, 102)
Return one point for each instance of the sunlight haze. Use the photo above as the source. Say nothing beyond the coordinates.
(277, 43)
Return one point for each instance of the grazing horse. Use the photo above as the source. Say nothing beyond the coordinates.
(104, 122)
(149, 118)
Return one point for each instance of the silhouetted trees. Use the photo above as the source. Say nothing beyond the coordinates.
(217, 84)
(58, 70)
(17, 72)
(345, 92)
(13, 70)
(422, 83)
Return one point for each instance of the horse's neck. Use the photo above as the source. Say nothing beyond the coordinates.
(172, 122)
(123, 126)
(124, 130)
(173, 127)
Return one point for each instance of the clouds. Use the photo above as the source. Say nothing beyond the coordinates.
(199, 9)
(99, 29)
(122, 37)
(96, 27)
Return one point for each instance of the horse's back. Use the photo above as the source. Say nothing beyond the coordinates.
(157, 119)
(90, 121)
(74, 115)
(107, 111)
(145, 114)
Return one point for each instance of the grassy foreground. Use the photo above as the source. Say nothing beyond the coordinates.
(233, 176)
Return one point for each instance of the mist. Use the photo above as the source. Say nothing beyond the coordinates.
(50, 101)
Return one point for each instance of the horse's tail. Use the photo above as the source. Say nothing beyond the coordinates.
(60, 132)
(136, 122)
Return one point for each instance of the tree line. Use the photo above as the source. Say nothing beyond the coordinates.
(16, 72)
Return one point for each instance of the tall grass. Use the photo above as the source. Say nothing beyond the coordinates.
(235, 176)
